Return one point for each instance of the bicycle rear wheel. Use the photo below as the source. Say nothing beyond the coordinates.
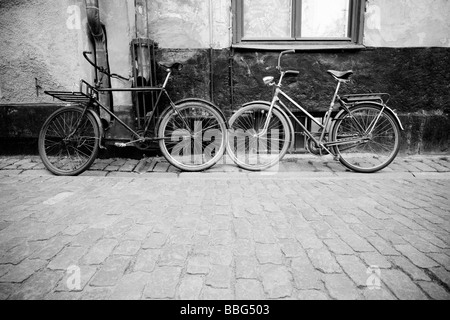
(194, 137)
(365, 151)
(251, 151)
(68, 145)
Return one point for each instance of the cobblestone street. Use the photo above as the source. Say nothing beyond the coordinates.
(308, 229)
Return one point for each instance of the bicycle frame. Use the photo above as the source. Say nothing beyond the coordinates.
(161, 90)
(325, 127)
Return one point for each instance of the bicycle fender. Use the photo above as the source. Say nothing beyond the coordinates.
(100, 126)
(386, 108)
(212, 105)
(291, 126)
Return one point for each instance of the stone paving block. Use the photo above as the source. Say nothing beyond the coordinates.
(94, 293)
(68, 257)
(190, 288)
(137, 233)
(146, 260)
(416, 257)
(111, 271)
(198, 265)
(442, 275)
(19, 253)
(249, 290)
(220, 255)
(355, 269)
(337, 246)
(37, 286)
(382, 246)
(324, 261)
(340, 287)
(174, 255)
(155, 241)
(391, 237)
(216, 294)
(264, 235)
(23, 271)
(51, 248)
(375, 259)
(306, 277)
(409, 268)
(244, 247)
(130, 286)
(402, 286)
(312, 295)
(309, 240)
(291, 248)
(378, 294)
(323, 230)
(87, 238)
(246, 267)
(442, 259)
(435, 291)
(421, 244)
(356, 242)
(128, 248)
(163, 283)
(99, 252)
(277, 281)
(219, 277)
(268, 253)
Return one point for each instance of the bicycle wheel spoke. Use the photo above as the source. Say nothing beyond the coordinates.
(67, 145)
(251, 150)
(379, 141)
(191, 138)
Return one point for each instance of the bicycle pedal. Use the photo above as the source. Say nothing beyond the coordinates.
(121, 145)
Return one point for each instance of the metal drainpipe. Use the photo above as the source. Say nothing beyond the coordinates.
(211, 50)
(101, 50)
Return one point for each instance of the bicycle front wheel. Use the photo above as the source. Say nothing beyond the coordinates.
(248, 148)
(192, 138)
(69, 142)
(369, 139)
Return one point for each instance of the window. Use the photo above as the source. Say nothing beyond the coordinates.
(284, 23)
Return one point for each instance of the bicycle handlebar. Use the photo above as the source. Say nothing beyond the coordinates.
(281, 55)
(101, 69)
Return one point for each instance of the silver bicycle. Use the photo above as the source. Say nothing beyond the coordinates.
(364, 135)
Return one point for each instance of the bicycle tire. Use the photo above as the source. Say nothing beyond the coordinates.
(202, 131)
(258, 153)
(378, 149)
(64, 151)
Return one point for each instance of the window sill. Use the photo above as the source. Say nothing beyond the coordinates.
(297, 46)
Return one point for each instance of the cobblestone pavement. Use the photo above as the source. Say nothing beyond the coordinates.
(307, 230)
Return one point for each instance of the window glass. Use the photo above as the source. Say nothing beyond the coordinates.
(267, 19)
(325, 19)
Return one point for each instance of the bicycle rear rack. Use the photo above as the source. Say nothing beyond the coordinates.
(85, 96)
(381, 97)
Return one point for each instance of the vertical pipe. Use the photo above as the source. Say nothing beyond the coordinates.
(101, 50)
(211, 50)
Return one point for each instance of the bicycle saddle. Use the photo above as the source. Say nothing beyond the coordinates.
(341, 75)
(171, 65)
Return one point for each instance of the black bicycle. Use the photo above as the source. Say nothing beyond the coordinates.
(191, 133)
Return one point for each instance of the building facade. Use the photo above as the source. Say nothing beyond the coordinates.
(400, 47)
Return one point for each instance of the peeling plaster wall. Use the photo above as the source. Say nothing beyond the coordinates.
(45, 39)
(407, 23)
(40, 39)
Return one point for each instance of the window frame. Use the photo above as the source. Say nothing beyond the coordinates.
(356, 31)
